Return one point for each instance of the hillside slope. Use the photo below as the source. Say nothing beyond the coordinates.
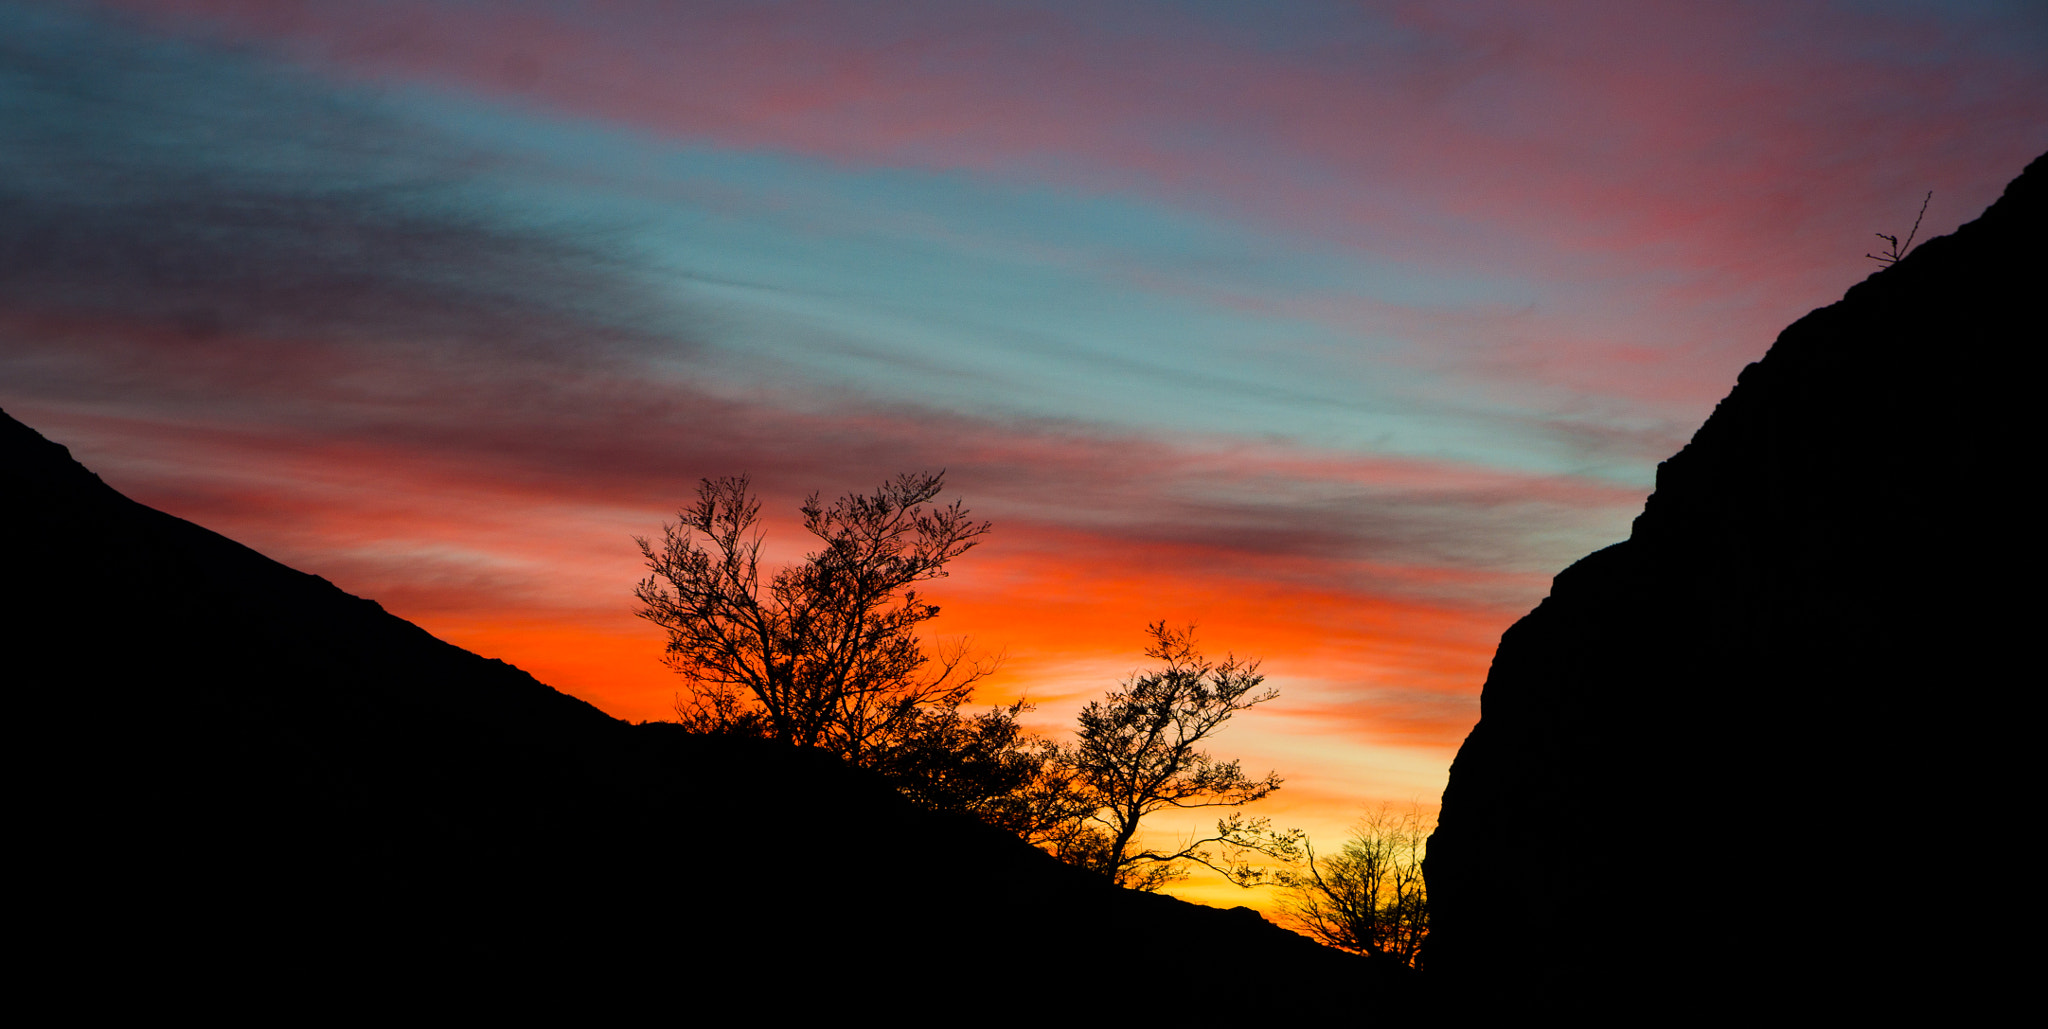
(240, 773)
(1769, 745)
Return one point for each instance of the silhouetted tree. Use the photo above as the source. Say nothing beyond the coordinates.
(1368, 897)
(985, 765)
(1136, 754)
(825, 653)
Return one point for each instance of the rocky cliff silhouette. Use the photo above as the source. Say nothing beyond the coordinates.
(1767, 749)
(235, 776)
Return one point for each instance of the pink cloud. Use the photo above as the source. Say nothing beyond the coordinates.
(1635, 165)
(1585, 125)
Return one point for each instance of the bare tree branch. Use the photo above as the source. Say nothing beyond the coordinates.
(1896, 251)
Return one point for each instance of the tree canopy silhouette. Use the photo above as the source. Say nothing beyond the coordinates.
(1137, 754)
(1369, 897)
(824, 653)
(985, 765)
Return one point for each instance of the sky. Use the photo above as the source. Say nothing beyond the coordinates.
(1334, 330)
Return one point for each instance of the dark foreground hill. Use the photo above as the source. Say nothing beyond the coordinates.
(232, 775)
(1774, 748)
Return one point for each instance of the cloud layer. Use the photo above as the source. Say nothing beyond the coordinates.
(1337, 329)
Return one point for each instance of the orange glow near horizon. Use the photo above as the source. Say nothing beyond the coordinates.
(1378, 665)
(1376, 691)
(1333, 330)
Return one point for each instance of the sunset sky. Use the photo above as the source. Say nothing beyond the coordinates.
(1333, 328)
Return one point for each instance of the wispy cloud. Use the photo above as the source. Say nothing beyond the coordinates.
(1335, 327)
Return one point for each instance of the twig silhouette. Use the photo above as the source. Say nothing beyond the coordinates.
(1897, 251)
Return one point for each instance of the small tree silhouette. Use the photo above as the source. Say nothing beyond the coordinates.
(1897, 250)
(1368, 897)
(1136, 755)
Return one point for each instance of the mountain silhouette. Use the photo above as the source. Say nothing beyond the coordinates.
(1768, 750)
(239, 779)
